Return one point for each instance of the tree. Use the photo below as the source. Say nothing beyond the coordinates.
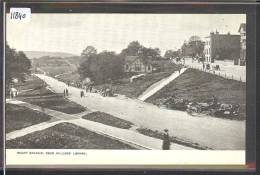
(132, 49)
(149, 54)
(170, 54)
(102, 67)
(89, 51)
(193, 48)
(17, 65)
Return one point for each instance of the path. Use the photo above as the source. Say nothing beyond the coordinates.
(130, 137)
(160, 84)
(207, 131)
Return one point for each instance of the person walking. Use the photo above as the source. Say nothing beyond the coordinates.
(81, 94)
(64, 93)
(67, 92)
(90, 88)
(166, 140)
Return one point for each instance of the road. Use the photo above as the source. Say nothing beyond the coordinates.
(160, 84)
(215, 133)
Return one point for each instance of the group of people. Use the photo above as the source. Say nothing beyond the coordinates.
(207, 67)
(106, 92)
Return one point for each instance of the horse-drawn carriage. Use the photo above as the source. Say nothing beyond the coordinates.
(175, 103)
(217, 109)
(106, 92)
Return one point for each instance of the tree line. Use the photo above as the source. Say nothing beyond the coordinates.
(17, 65)
(107, 66)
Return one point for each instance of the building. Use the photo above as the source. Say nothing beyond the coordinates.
(222, 47)
(242, 31)
(136, 64)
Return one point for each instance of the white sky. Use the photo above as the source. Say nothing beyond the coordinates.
(73, 32)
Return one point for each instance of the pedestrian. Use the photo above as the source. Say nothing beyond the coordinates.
(203, 66)
(67, 92)
(90, 88)
(64, 92)
(179, 71)
(81, 94)
(42, 107)
(166, 140)
(11, 94)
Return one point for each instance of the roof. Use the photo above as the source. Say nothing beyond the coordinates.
(130, 59)
(242, 26)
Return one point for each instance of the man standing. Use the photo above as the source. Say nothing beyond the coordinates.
(67, 92)
(166, 140)
(81, 94)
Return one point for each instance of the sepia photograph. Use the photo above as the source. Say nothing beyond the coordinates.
(125, 81)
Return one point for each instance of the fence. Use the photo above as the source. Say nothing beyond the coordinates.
(221, 74)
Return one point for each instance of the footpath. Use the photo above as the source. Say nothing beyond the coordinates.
(160, 84)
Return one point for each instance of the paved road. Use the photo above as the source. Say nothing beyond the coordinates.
(207, 131)
(160, 84)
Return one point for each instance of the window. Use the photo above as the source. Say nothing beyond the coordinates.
(137, 67)
(149, 67)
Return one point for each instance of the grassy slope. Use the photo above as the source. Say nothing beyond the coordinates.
(136, 88)
(200, 86)
(18, 117)
(65, 136)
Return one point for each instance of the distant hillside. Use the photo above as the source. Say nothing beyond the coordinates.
(38, 54)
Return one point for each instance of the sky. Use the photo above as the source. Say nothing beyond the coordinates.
(72, 33)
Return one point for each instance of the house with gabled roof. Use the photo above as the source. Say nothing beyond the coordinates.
(137, 65)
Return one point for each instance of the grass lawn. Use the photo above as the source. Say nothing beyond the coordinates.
(199, 86)
(108, 119)
(56, 102)
(65, 136)
(18, 117)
